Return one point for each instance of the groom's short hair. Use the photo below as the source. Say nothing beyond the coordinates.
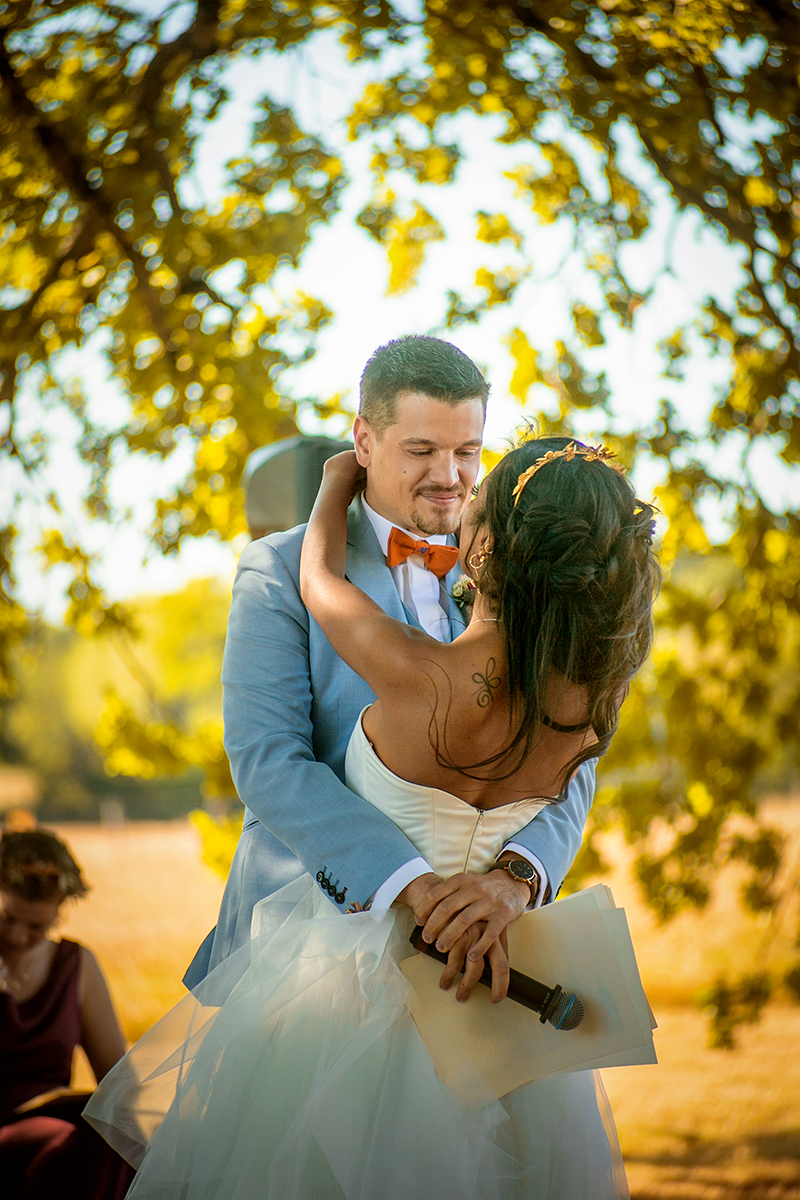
(417, 363)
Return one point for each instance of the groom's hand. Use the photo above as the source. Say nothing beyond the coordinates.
(467, 916)
(415, 894)
(465, 950)
(449, 909)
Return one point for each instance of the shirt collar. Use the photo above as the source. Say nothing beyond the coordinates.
(383, 528)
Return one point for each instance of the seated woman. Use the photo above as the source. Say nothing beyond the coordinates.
(53, 997)
(299, 1072)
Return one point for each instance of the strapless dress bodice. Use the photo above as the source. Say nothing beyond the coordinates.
(448, 832)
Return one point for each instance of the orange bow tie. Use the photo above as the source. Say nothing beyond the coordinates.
(439, 559)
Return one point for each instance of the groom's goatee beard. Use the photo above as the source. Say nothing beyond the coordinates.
(429, 521)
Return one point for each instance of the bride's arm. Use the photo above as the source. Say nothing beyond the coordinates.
(377, 647)
(468, 912)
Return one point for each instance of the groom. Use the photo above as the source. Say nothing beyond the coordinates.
(290, 704)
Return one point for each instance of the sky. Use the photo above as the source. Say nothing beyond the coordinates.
(680, 257)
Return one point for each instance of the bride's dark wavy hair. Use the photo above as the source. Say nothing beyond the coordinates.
(573, 576)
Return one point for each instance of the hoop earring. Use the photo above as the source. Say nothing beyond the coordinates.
(481, 556)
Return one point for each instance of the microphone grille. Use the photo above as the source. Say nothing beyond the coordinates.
(568, 1012)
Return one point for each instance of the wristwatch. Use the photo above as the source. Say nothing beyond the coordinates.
(519, 868)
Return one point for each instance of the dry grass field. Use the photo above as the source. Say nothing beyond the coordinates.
(152, 903)
(702, 1125)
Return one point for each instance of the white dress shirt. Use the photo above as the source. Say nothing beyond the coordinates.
(422, 592)
(425, 595)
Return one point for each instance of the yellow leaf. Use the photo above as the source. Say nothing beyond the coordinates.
(496, 227)
(163, 278)
(660, 39)
(776, 545)
(551, 193)
(684, 531)
(407, 241)
(491, 103)
(490, 458)
(587, 325)
(425, 113)
(498, 285)
(758, 192)
(30, 189)
(527, 371)
(90, 278)
(700, 799)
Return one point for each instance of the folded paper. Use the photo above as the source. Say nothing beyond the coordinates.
(581, 942)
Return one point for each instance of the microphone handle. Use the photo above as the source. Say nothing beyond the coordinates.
(521, 988)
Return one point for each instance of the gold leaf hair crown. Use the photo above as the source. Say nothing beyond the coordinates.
(590, 453)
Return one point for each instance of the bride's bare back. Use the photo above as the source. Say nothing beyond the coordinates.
(455, 700)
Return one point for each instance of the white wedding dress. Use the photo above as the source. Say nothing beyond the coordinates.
(295, 1071)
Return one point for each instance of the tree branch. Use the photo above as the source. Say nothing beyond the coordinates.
(75, 246)
(72, 170)
(196, 43)
(701, 83)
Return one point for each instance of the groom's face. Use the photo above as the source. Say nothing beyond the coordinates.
(422, 469)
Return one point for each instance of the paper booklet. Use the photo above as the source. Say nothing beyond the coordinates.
(581, 942)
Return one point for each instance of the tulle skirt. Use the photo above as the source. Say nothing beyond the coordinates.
(295, 1072)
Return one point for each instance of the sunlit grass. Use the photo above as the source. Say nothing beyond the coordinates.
(710, 1124)
(152, 903)
(680, 958)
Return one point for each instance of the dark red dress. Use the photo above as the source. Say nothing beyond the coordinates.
(52, 1151)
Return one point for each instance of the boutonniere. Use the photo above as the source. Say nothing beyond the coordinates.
(463, 591)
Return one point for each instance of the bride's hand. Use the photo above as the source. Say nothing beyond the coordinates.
(343, 470)
(457, 960)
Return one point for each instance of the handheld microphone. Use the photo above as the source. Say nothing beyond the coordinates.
(562, 1009)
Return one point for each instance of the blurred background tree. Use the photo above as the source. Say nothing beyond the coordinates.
(610, 105)
(100, 242)
(98, 718)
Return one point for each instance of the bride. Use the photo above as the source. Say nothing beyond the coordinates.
(295, 1071)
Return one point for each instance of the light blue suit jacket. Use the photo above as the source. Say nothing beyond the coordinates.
(290, 705)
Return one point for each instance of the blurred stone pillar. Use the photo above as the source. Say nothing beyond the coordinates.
(281, 482)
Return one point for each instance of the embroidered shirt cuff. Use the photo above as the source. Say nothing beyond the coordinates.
(388, 892)
(544, 883)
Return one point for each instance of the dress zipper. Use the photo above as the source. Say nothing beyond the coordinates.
(472, 839)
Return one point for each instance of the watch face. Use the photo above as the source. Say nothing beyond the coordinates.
(521, 869)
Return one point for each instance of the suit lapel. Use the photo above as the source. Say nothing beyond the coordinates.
(458, 621)
(367, 569)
